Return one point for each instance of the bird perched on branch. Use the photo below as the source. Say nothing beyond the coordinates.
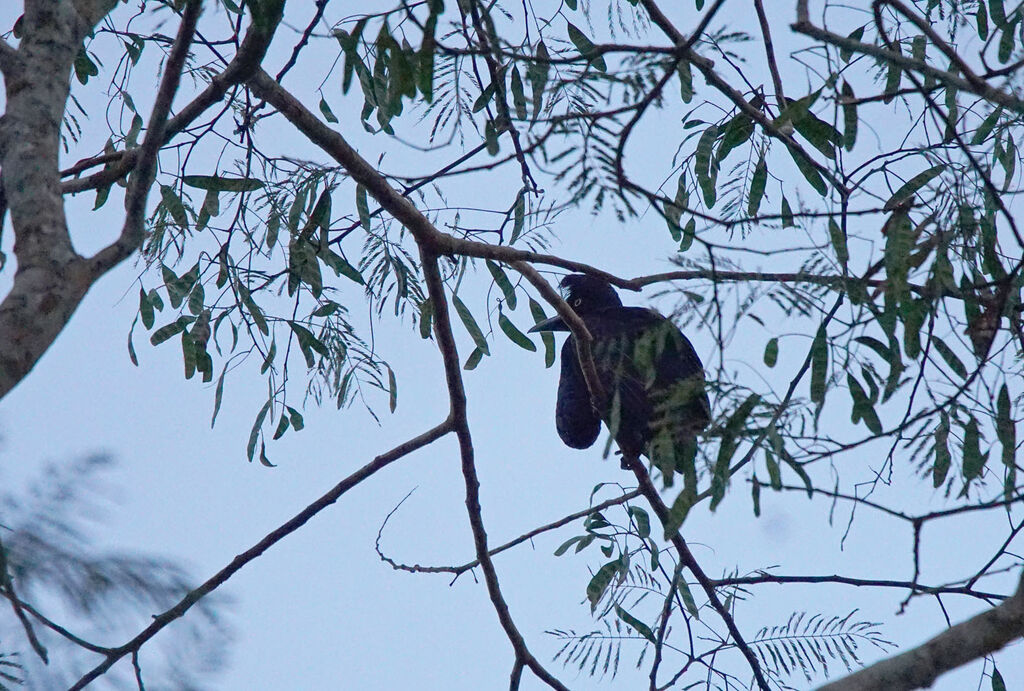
(652, 380)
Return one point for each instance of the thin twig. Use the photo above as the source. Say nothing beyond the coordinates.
(271, 539)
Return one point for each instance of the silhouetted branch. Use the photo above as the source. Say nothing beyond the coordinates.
(285, 529)
(460, 424)
(921, 666)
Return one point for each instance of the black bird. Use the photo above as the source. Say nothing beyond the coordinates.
(653, 381)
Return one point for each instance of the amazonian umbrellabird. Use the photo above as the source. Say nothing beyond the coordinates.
(653, 381)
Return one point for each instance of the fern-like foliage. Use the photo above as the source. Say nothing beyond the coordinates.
(10, 671)
(808, 644)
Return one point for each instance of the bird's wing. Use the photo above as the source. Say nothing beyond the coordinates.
(665, 371)
(575, 418)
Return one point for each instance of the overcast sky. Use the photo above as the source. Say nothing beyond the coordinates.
(320, 610)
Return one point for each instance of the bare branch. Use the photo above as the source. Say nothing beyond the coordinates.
(529, 535)
(920, 667)
(457, 398)
(977, 87)
(284, 530)
(687, 559)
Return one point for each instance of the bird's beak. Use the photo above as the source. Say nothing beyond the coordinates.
(555, 323)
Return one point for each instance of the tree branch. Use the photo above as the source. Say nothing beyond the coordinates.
(686, 557)
(145, 167)
(284, 530)
(457, 398)
(920, 667)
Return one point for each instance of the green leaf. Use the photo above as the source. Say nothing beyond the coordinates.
(997, 679)
(564, 547)
(491, 138)
(755, 495)
(774, 472)
(426, 318)
(912, 185)
(254, 311)
(677, 514)
(254, 434)
(950, 357)
(178, 287)
(84, 67)
(823, 136)
(172, 329)
(515, 335)
(216, 183)
(268, 361)
(850, 119)
(172, 202)
(684, 592)
(537, 75)
(131, 346)
(518, 217)
(943, 458)
(974, 459)
(685, 81)
(642, 520)
(425, 69)
(146, 309)
(308, 343)
(471, 326)
(892, 77)
(518, 97)
(674, 210)
(340, 265)
(689, 233)
(771, 352)
(484, 98)
(282, 426)
(296, 419)
(862, 406)
(329, 115)
(586, 48)
(196, 299)
(799, 470)
(501, 279)
(857, 34)
(600, 582)
(998, 12)
(392, 389)
(1006, 43)
(735, 133)
(838, 242)
(546, 337)
(981, 17)
(634, 623)
(819, 366)
(786, 213)
(986, 127)
(1006, 427)
(263, 456)
(757, 185)
(362, 207)
(218, 396)
(474, 359)
(809, 172)
(707, 172)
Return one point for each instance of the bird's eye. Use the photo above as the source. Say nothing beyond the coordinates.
(576, 302)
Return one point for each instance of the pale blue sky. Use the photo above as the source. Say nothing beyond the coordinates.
(319, 610)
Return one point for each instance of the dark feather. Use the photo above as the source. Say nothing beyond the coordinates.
(651, 374)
